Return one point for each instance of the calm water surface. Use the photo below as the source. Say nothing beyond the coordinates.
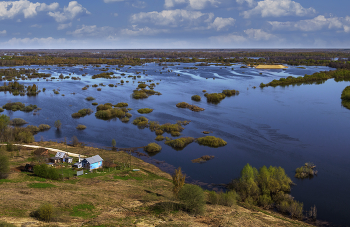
(282, 126)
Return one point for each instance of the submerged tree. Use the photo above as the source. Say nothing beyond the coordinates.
(58, 124)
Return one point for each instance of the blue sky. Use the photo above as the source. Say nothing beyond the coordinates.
(142, 24)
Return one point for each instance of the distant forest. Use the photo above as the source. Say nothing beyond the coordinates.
(335, 58)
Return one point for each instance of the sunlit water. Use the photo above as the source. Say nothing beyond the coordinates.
(282, 126)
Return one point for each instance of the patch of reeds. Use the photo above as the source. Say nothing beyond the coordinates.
(144, 93)
(140, 121)
(90, 98)
(144, 110)
(188, 106)
(152, 148)
(81, 127)
(82, 113)
(196, 98)
(211, 141)
(121, 104)
(203, 159)
(230, 92)
(214, 97)
(160, 138)
(44, 127)
(180, 143)
(308, 170)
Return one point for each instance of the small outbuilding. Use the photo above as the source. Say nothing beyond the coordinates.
(55, 159)
(62, 155)
(94, 162)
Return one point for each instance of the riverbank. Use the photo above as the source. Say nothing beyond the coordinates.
(271, 67)
(113, 197)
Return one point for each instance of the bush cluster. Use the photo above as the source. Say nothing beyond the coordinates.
(345, 96)
(211, 141)
(196, 98)
(226, 199)
(44, 127)
(47, 172)
(268, 187)
(82, 113)
(144, 93)
(14, 106)
(81, 127)
(230, 92)
(192, 198)
(90, 98)
(140, 121)
(180, 143)
(214, 97)
(121, 104)
(188, 106)
(305, 171)
(144, 110)
(152, 148)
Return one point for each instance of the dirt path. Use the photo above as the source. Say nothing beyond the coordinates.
(50, 149)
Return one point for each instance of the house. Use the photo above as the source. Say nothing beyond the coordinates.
(93, 162)
(62, 156)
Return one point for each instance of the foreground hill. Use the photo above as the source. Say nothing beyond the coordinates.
(116, 196)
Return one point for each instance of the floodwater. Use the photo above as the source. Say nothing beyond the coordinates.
(282, 126)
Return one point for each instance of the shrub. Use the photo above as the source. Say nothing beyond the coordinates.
(160, 138)
(104, 107)
(18, 121)
(180, 143)
(175, 134)
(140, 121)
(295, 209)
(228, 198)
(144, 110)
(193, 198)
(44, 127)
(305, 171)
(159, 132)
(81, 127)
(95, 103)
(85, 112)
(152, 147)
(230, 92)
(142, 85)
(188, 106)
(90, 98)
(125, 119)
(44, 213)
(76, 115)
(1, 110)
(196, 98)
(121, 104)
(167, 127)
(211, 141)
(214, 97)
(44, 171)
(213, 197)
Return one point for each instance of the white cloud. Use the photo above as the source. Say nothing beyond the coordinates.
(139, 4)
(194, 4)
(142, 31)
(36, 26)
(220, 23)
(115, 14)
(258, 34)
(69, 12)
(92, 30)
(251, 3)
(173, 18)
(64, 26)
(278, 8)
(4, 32)
(315, 24)
(109, 1)
(10, 9)
(228, 39)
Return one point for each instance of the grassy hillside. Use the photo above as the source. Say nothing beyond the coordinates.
(113, 197)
